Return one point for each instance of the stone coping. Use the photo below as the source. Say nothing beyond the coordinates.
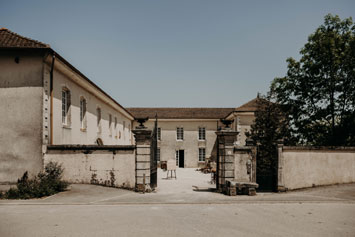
(319, 148)
(91, 147)
(243, 148)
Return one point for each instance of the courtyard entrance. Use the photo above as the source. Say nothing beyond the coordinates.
(188, 180)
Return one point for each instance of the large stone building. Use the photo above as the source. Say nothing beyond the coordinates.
(188, 135)
(50, 111)
(47, 101)
(185, 134)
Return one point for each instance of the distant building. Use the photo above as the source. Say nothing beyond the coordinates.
(188, 135)
(243, 117)
(184, 134)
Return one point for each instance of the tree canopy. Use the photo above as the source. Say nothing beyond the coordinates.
(318, 91)
(270, 125)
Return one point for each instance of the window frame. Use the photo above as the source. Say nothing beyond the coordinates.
(115, 128)
(159, 134)
(66, 106)
(179, 133)
(201, 154)
(98, 118)
(200, 133)
(158, 154)
(177, 156)
(110, 124)
(83, 109)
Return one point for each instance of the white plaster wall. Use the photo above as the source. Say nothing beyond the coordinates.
(20, 116)
(168, 144)
(80, 167)
(305, 168)
(121, 135)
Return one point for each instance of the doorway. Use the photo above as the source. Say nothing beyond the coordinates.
(180, 158)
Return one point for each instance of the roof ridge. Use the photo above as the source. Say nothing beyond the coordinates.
(23, 37)
(252, 100)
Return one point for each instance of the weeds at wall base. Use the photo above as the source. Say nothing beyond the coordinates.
(44, 184)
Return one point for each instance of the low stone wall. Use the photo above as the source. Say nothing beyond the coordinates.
(302, 167)
(105, 165)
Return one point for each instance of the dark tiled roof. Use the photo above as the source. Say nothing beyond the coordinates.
(181, 113)
(250, 106)
(9, 39)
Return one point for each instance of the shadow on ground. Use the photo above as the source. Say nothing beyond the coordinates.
(190, 187)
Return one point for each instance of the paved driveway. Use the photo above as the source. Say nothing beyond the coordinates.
(181, 191)
(177, 210)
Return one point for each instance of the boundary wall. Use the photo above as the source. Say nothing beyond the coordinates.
(90, 164)
(303, 167)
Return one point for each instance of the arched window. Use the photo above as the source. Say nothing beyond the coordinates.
(98, 116)
(66, 102)
(115, 129)
(110, 124)
(83, 113)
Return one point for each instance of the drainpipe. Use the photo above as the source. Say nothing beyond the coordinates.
(51, 99)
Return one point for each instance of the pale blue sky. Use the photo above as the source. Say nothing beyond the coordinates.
(182, 53)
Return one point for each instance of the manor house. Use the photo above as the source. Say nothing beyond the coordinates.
(188, 135)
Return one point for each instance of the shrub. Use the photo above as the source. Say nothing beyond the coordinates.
(44, 184)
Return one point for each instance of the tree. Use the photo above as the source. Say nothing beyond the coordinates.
(319, 90)
(270, 125)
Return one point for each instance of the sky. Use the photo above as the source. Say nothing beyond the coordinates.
(182, 53)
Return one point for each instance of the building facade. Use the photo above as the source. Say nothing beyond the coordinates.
(46, 101)
(243, 117)
(188, 135)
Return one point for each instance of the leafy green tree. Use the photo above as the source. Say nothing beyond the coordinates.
(319, 89)
(270, 126)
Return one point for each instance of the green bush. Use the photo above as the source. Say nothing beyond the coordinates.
(44, 184)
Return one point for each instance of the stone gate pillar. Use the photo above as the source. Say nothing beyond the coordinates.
(143, 146)
(225, 159)
(280, 164)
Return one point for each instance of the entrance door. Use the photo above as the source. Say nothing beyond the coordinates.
(180, 158)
